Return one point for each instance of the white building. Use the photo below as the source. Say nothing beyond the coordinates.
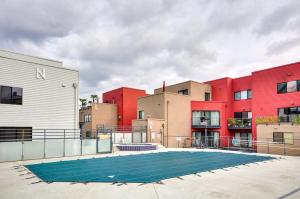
(37, 93)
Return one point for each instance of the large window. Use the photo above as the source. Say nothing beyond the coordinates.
(206, 118)
(243, 95)
(183, 92)
(11, 95)
(283, 138)
(288, 87)
(288, 114)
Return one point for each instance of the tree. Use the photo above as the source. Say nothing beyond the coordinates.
(94, 98)
(83, 102)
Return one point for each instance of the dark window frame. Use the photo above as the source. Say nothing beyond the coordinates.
(12, 99)
(240, 95)
(285, 87)
(249, 94)
(141, 116)
(183, 92)
(287, 113)
(209, 111)
(207, 96)
(278, 139)
(282, 90)
(237, 99)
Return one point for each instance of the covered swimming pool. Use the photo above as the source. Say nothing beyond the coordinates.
(140, 168)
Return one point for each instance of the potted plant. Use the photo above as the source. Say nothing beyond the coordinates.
(231, 122)
(296, 120)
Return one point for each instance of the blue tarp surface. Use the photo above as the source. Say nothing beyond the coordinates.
(142, 168)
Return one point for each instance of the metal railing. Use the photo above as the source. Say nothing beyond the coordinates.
(25, 144)
(267, 145)
(239, 123)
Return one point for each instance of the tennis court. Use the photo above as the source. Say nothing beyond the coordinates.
(141, 168)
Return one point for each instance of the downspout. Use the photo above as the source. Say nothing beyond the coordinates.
(167, 143)
(75, 105)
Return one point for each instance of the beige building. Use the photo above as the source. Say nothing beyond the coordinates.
(283, 139)
(96, 115)
(167, 115)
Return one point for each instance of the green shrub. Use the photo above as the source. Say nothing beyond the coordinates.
(266, 120)
(296, 120)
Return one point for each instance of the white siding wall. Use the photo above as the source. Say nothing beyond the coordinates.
(46, 104)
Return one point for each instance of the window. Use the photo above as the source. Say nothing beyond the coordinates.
(283, 138)
(288, 87)
(288, 138)
(207, 96)
(288, 114)
(87, 118)
(15, 133)
(203, 118)
(196, 118)
(11, 95)
(291, 86)
(249, 94)
(243, 115)
(141, 115)
(282, 87)
(278, 137)
(244, 95)
(183, 92)
(237, 96)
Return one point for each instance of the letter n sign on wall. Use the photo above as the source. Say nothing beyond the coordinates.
(41, 73)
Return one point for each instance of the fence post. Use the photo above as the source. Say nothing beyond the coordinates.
(64, 146)
(284, 149)
(44, 143)
(81, 136)
(111, 142)
(22, 146)
(268, 143)
(97, 138)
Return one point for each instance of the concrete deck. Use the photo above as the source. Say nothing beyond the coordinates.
(271, 179)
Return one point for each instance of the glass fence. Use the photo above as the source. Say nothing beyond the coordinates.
(49, 143)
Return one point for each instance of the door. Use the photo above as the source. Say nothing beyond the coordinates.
(244, 140)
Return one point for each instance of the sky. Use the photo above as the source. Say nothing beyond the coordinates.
(141, 43)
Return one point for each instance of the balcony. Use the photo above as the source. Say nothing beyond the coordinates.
(239, 123)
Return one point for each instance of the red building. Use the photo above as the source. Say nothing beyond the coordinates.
(234, 104)
(126, 100)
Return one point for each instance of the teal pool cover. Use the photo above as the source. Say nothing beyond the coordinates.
(142, 168)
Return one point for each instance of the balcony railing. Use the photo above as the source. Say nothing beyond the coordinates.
(205, 125)
(239, 123)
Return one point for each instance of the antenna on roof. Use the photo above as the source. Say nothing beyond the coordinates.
(164, 86)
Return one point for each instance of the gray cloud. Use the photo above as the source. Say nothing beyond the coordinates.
(140, 43)
(285, 17)
(283, 46)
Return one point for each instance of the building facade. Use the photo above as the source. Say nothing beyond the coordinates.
(96, 115)
(37, 93)
(167, 113)
(238, 103)
(126, 100)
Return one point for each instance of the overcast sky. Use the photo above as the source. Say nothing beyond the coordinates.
(141, 43)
